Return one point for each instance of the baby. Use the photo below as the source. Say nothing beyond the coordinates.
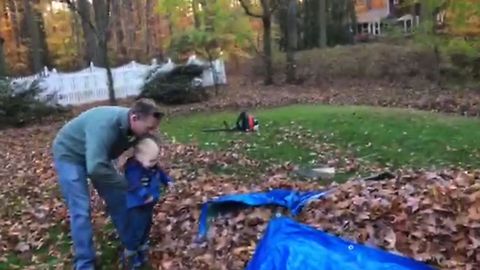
(144, 178)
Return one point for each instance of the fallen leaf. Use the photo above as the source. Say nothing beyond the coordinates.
(22, 247)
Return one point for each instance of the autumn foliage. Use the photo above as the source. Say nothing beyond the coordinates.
(430, 216)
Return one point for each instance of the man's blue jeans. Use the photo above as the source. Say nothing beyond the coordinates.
(74, 186)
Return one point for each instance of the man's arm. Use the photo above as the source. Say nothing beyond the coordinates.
(98, 141)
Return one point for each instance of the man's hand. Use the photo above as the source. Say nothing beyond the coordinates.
(149, 200)
(122, 159)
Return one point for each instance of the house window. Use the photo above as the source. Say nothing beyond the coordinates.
(365, 28)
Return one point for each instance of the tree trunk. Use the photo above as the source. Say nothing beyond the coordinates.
(148, 24)
(352, 20)
(322, 12)
(266, 17)
(310, 18)
(208, 13)
(91, 47)
(156, 39)
(196, 16)
(76, 33)
(100, 29)
(210, 16)
(281, 16)
(42, 37)
(424, 11)
(138, 11)
(101, 23)
(31, 24)
(106, 60)
(129, 26)
(120, 49)
(267, 49)
(102, 16)
(5, 10)
(12, 6)
(291, 40)
(267, 41)
(3, 66)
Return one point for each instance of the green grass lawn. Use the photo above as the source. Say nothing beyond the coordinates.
(304, 134)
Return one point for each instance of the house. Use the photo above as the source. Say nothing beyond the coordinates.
(372, 13)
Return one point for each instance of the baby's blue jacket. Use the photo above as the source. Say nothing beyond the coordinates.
(143, 183)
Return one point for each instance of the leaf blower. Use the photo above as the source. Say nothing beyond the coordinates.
(245, 123)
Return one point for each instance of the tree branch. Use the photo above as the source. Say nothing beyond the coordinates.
(83, 17)
(248, 11)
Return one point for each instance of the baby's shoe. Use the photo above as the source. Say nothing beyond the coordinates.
(128, 260)
(143, 252)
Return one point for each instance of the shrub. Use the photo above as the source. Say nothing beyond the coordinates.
(25, 104)
(371, 61)
(179, 85)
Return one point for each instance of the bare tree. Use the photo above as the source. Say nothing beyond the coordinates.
(128, 19)
(148, 22)
(268, 8)
(91, 44)
(35, 39)
(322, 6)
(291, 40)
(100, 29)
(12, 7)
(3, 66)
(196, 16)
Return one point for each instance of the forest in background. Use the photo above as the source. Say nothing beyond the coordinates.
(40, 33)
(52, 33)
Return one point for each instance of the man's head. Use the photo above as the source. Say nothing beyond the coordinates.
(144, 117)
(147, 151)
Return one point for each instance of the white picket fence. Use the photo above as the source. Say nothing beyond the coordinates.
(90, 84)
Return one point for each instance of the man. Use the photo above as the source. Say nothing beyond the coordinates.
(85, 148)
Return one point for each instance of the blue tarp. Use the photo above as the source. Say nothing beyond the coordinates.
(288, 245)
(292, 200)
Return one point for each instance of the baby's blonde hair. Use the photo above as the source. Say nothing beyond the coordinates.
(147, 147)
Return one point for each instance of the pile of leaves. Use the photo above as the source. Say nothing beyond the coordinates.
(232, 236)
(431, 217)
(177, 86)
